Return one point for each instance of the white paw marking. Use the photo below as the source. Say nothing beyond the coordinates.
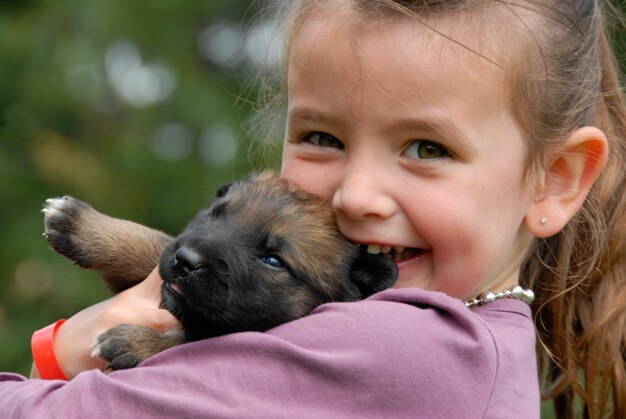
(54, 207)
(95, 348)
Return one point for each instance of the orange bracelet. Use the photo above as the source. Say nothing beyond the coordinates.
(42, 346)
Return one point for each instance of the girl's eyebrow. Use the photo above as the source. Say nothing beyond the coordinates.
(310, 115)
(443, 127)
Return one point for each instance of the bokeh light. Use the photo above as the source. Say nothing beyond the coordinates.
(134, 81)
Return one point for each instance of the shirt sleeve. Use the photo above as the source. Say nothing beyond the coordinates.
(398, 354)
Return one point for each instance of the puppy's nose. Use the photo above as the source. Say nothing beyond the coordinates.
(187, 259)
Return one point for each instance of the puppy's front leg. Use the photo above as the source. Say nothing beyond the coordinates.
(123, 252)
(125, 346)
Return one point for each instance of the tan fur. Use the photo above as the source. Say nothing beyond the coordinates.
(123, 252)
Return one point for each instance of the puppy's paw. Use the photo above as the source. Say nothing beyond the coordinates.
(117, 347)
(125, 346)
(62, 219)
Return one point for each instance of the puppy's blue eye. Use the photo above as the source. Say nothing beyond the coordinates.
(273, 261)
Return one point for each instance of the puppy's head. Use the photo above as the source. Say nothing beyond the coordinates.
(262, 254)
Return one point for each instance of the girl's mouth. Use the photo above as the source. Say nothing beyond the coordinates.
(396, 253)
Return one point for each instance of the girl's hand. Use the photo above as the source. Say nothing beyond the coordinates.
(137, 305)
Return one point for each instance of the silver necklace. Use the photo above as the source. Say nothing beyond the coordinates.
(519, 293)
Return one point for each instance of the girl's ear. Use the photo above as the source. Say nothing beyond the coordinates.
(567, 181)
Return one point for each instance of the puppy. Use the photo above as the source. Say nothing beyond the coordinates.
(263, 253)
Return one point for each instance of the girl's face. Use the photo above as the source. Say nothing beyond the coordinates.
(412, 139)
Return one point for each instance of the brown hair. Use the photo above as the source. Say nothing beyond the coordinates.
(565, 78)
(579, 275)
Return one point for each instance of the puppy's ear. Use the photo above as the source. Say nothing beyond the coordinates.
(223, 190)
(373, 273)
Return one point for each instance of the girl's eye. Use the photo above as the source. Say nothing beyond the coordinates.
(322, 139)
(426, 150)
(273, 261)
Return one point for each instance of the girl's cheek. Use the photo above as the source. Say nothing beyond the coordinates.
(297, 172)
(308, 176)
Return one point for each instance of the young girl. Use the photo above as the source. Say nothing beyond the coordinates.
(479, 143)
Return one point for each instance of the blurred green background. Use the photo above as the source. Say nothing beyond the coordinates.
(140, 108)
(137, 107)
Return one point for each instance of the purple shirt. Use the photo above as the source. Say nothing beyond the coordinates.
(400, 353)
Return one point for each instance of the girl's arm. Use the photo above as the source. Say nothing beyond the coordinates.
(137, 305)
(402, 353)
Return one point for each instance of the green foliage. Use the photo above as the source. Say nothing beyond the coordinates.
(67, 128)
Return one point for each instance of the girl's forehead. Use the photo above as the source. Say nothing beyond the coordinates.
(343, 41)
(488, 33)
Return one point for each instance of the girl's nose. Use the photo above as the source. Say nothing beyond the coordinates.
(362, 195)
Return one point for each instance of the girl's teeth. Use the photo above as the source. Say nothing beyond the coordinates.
(376, 249)
(399, 252)
(373, 249)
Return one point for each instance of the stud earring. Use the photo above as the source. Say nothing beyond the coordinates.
(543, 220)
